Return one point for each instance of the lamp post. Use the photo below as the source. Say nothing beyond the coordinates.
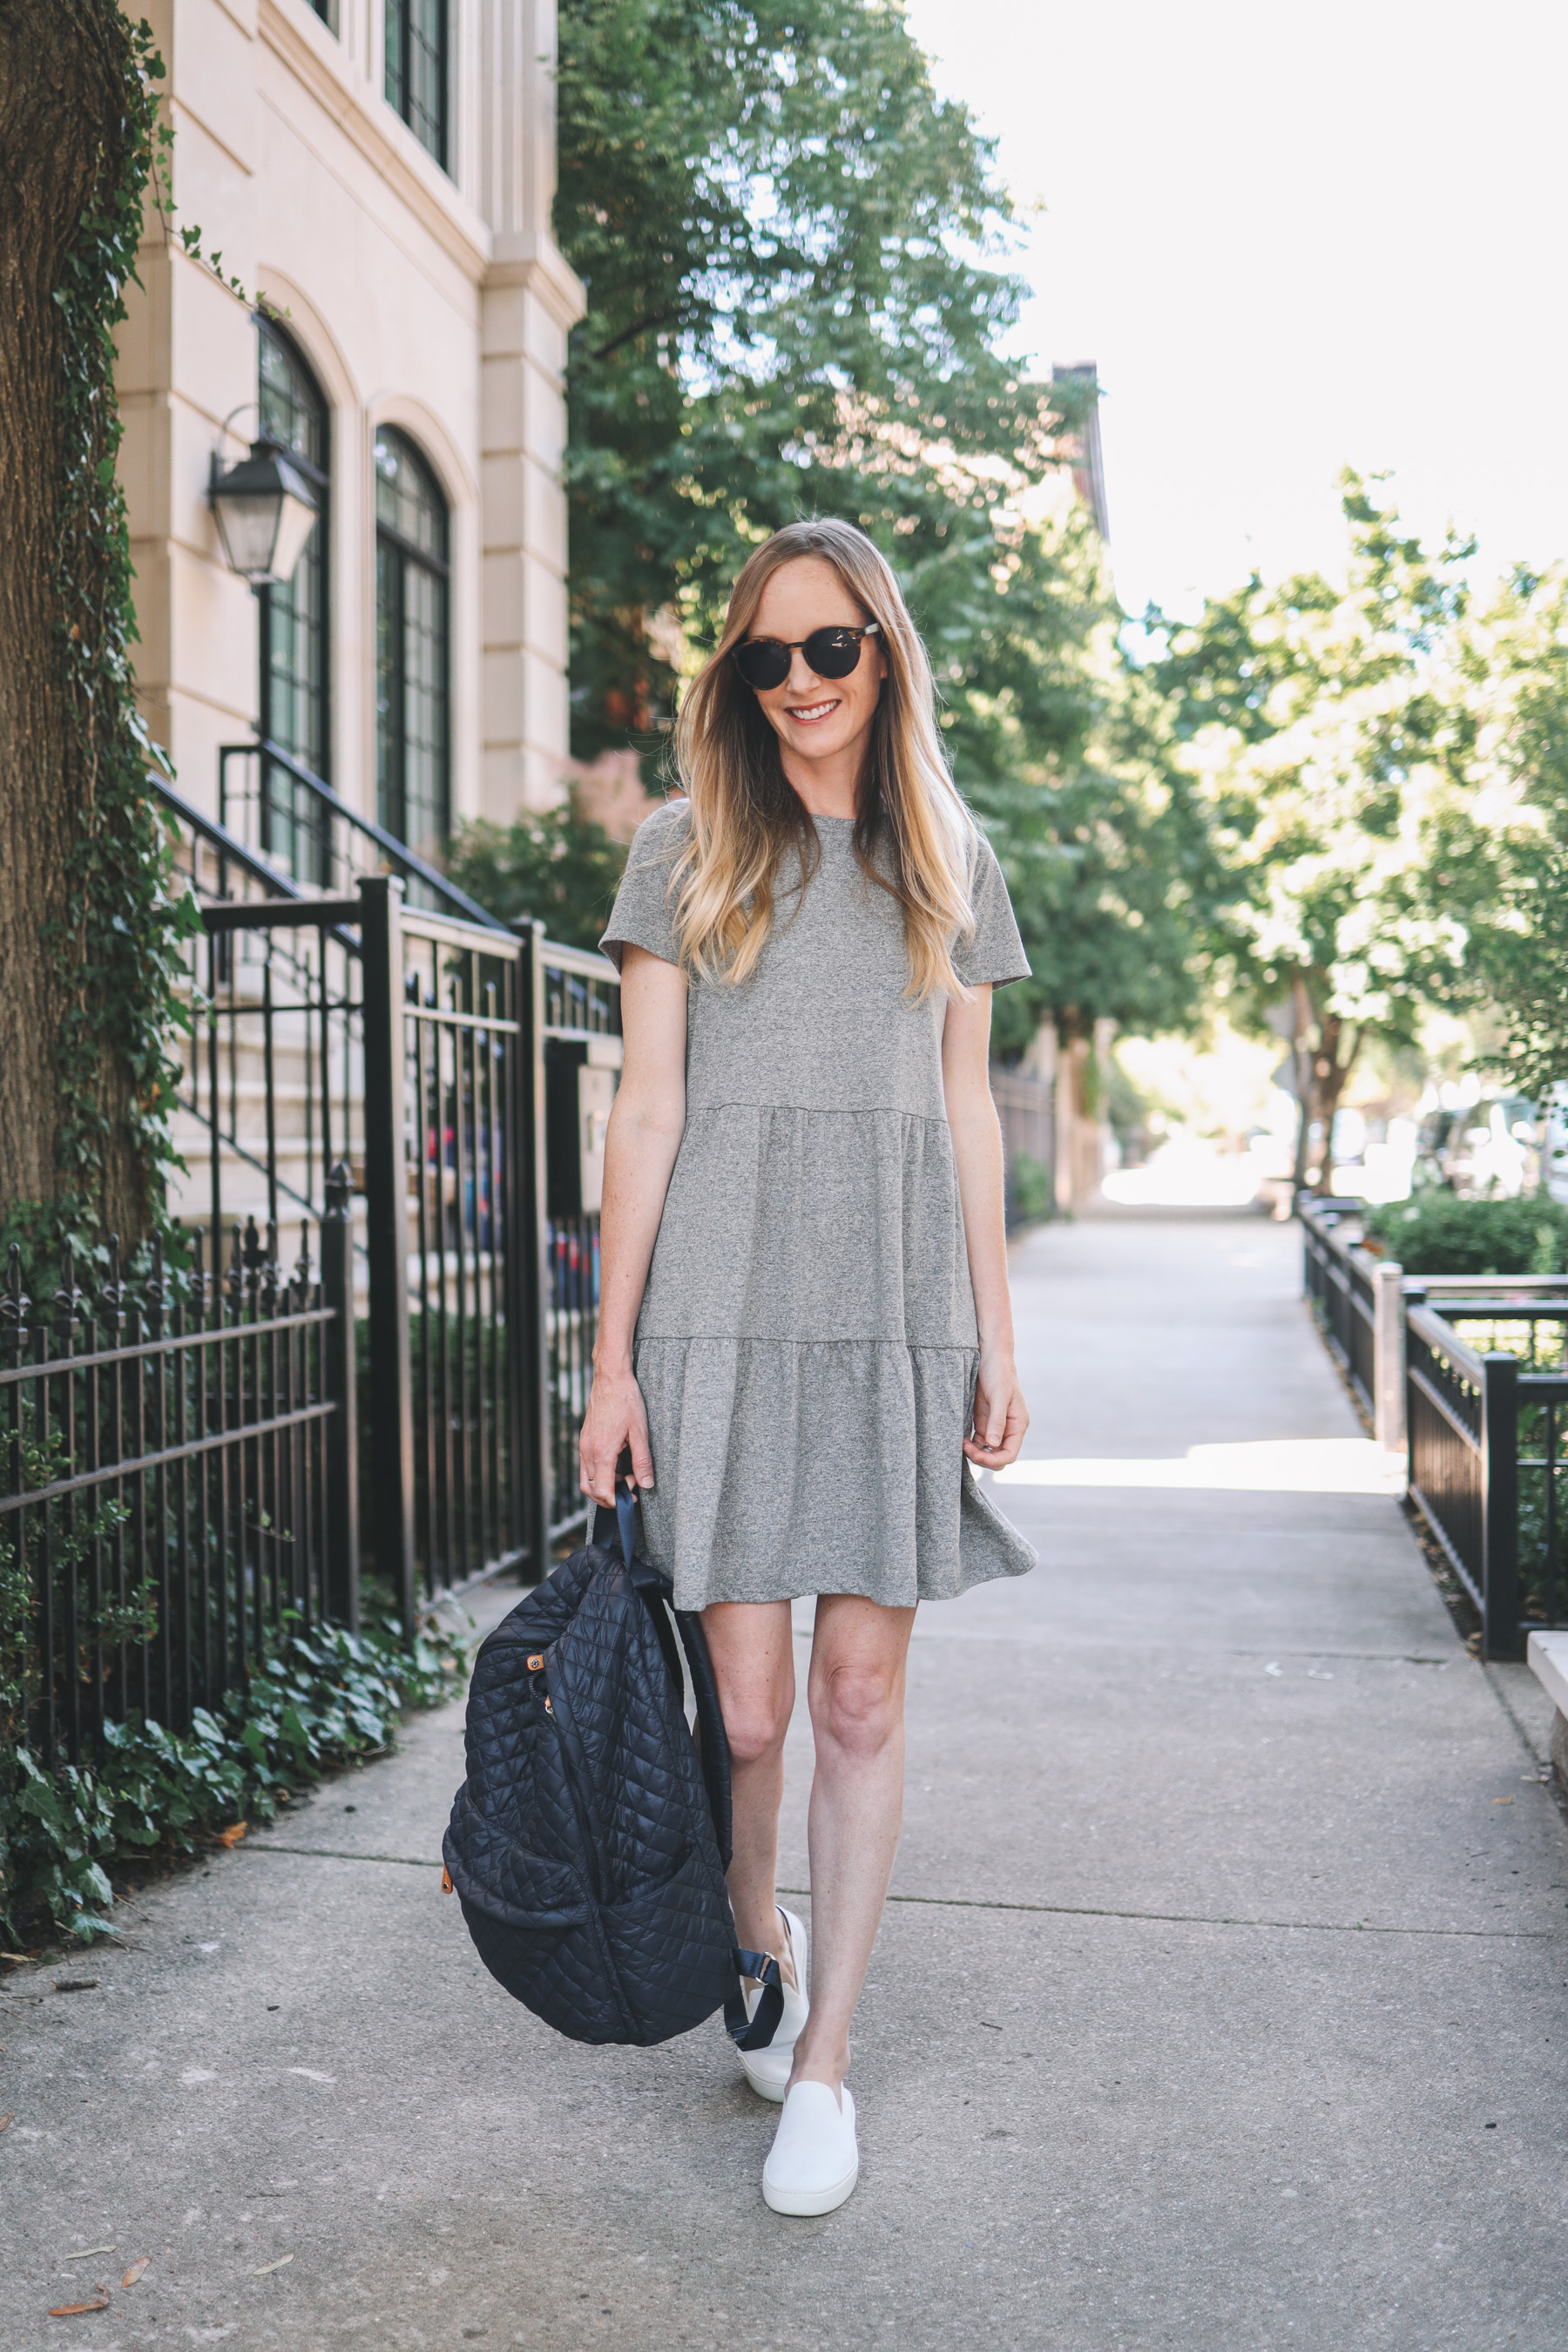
(265, 511)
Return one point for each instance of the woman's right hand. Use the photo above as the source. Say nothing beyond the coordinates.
(614, 1423)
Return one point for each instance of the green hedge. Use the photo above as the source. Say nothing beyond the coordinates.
(1438, 1233)
(325, 1699)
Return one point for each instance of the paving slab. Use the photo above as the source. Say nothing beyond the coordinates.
(1217, 2005)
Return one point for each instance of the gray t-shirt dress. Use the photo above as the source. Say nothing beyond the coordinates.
(808, 1345)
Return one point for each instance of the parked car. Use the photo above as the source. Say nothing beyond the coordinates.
(1486, 1149)
(1553, 1123)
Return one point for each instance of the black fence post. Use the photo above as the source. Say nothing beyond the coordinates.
(1500, 1633)
(386, 1205)
(1415, 1295)
(533, 1270)
(339, 1386)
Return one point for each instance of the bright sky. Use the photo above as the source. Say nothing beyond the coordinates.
(1293, 237)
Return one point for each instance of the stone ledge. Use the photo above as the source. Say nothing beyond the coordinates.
(1548, 1658)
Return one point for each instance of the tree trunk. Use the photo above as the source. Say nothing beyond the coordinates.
(1325, 1048)
(62, 125)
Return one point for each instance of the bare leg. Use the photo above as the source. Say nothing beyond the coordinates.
(857, 1693)
(753, 1664)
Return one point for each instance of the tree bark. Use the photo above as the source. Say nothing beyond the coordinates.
(61, 131)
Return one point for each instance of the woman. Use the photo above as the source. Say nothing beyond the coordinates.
(803, 1320)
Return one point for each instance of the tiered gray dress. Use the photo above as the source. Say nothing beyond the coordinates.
(807, 1344)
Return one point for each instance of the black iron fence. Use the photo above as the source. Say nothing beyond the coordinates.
(179, 1475)
(466, 1074)
(283, 814)
(1466, 1375)
(1026, 1106)
(580, 1054)
(1485, 1386)
(1339, 1282)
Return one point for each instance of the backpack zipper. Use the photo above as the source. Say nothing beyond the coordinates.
(571, 1751)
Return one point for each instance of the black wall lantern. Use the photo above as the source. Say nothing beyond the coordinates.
(266, 511)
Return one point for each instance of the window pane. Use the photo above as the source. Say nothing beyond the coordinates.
(406, 497)
(295, 633)
(292, 409)
(389, 689)
(424, 710)
(413, 719)
(415, 76)
(395, 76)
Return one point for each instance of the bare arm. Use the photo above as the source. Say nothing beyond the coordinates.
(647, 1120)
(1001, 1416)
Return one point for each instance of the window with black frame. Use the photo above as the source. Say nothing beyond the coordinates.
(296, 622)
(416, 75)
(412, 649)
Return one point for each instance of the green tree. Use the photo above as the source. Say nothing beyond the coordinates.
(560, 867)
(1504, 850)
(1320, 724)
(1066, 754)
(787, 244)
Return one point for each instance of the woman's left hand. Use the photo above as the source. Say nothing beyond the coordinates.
(1001, 1416)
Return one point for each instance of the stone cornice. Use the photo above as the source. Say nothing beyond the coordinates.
(522, 258)
(394, 154)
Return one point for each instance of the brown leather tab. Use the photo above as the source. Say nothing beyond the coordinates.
(447, 1886)
(536, 1664)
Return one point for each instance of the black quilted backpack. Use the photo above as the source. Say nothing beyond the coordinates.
(589, 1842)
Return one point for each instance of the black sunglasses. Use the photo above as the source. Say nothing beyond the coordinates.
(763, 662)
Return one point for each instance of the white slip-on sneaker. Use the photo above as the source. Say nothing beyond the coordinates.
(767, 2071)
(816, 2160)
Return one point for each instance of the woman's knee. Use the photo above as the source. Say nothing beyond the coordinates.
(755, 1723)
(858, 1708)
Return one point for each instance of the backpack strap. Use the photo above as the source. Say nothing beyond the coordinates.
(658, 1591)
(754, 2033)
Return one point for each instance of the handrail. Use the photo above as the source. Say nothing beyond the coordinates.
(403, 859)
(226, 844)
(1464, 1286)
(1440, 1334)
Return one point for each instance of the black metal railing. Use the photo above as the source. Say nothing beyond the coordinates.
(464, 1121)
(435, 1090)
(289, 818)
(580, 1049)
(1338, 1279)
(179, 1475)
(1484, 1387)
(1025, 1107)
(1466, 1375)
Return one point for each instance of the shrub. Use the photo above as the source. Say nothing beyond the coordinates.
(1032, 1192)
(1437, 1232)
(325, 1698)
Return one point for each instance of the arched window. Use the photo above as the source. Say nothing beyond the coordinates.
(416, 69)
(412, 652)
(296, 633)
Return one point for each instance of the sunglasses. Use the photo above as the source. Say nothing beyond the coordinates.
(763, 662)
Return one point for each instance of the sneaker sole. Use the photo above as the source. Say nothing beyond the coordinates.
(763, 2088)
(803, 2203)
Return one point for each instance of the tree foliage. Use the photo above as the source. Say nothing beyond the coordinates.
(1504, 850)
(789, 245)
(794, 257)
(559, 867)
(1322, 723)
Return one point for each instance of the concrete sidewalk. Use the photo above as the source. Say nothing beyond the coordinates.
(1217, 2005)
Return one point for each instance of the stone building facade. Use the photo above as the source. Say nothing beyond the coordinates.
(378, 176)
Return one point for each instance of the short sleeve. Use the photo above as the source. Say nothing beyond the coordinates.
(641, 916)
(996, 953)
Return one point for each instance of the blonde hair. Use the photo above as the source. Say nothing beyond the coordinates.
(745, 815)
